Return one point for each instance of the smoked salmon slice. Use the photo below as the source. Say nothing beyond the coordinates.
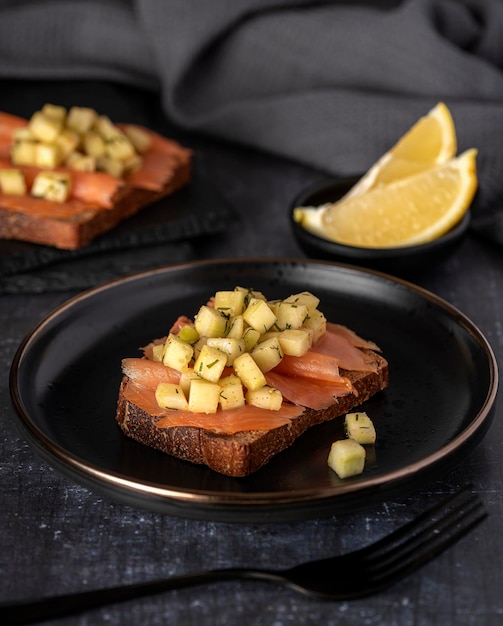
(310, 393)
(159, 162)
(148, 373)
(311, 365)
(93, 188)
(228, 422)
(338, 343)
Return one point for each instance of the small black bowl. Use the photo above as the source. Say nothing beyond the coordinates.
(404, 260)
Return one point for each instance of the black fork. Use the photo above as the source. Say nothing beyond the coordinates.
(360, 573)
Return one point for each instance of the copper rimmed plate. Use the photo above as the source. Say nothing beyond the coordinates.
(65, 377)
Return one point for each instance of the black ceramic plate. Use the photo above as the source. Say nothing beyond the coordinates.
(405, 261)
(65, 378)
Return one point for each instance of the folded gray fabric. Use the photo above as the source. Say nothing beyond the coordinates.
(330, 84)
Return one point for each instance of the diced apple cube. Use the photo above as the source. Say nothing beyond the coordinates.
(81, 119)
(158, 352)
(267, 354)
(290, 315)
(250, 337)
(317, 324)
(105, 127)
(209, 322)
(177, 353)
(94, 144)
(259, 315)
(189, 334)
(67, 141)
(12, 182)
(230, 303)
(210, 363)
(81, 162)
(44, 127)
(138, 137)
(203, 396)
(54, 110)
(171, 396)
(347, 458)
(114, 167)
(295, 342)
(186, 377)
(359, 426)
(231, 393)
(236, 327)
(265, 397)
(119, 147)
(53, 186)
(305, 298)
(23, 152)
(47, 155)
(249, 372)
(229, 346)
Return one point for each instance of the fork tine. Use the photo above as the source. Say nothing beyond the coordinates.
(426, 544)
(405, 531)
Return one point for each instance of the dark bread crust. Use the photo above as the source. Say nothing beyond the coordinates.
(243, 453)
(73, 233)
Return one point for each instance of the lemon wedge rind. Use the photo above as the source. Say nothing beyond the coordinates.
(410, 211)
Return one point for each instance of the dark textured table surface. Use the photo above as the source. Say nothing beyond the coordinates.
(58, 536)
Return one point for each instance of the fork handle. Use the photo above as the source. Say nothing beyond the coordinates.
(37, 610)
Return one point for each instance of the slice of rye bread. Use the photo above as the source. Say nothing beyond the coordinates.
(79, 230)
(242, 453)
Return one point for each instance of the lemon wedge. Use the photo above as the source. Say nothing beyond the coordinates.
(429, 142)
(413, 210)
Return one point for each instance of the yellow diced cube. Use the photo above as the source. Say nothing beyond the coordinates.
(290, 315)
(347, 458)
(54, 110)
(94, 144)
(359, 426)
(210, 363)
(250, 337)
(171, 396)
(81, 119)
(81, 162)
(295, 342)
(23, 152)
(265, 397)
(259, 315)
(47, 155)
(230, 303)
(316, 323)
(67, 141)
(105, 127)
(229, 346)
(305, 298)
(44, 127)
(119, 147)
(138, 137)
(113, 167)
(267, 354)
(186, 377)
(209, 322)
(12, 182)
(177, 353)
(236, 327)
(54, 186)
(249, 372)
(203, 396)
(231, 393)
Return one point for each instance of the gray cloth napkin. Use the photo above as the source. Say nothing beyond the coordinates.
(330, 84)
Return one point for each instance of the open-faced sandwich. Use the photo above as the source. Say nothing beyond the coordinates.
(244, 379)
(67, 176)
